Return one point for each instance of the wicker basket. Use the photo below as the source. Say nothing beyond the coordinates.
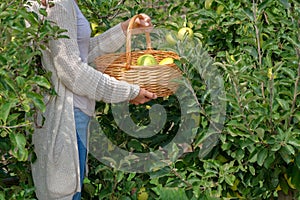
(158, 78)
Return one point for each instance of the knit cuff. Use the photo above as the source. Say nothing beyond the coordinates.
(135, 90)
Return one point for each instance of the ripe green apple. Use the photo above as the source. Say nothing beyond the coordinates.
(166, 61)
(185, 32)
(142, 194)
(208, 3)
(220, 9)
(170, 39)
(94, 26)
(146, 60)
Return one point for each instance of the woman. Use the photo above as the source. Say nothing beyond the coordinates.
(61, 140)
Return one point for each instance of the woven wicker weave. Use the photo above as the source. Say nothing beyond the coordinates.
(158, 78)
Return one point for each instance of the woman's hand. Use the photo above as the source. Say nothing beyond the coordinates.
(143, 21)
(143, 97)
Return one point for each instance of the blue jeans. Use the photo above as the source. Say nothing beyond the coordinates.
(81, 122)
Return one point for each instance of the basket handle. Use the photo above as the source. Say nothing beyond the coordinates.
(128, 39)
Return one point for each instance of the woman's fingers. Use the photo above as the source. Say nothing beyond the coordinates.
(143, 97)
(150, 95)
(143, 21)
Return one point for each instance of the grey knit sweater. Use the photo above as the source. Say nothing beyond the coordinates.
(56, 170)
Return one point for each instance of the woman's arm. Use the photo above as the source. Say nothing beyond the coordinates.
(108, 42)
(77, 76)
(114, 38)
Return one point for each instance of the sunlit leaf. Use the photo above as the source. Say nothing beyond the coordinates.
(5, 110)
(42, 81)
(18, 146)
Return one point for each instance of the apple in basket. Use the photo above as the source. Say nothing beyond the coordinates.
(166, 61)
(149, 60)
(146, 60)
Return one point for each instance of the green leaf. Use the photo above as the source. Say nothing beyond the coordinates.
(269, 160)
(5, 110)
(172, 193)
(235, 124)
(285, 3)
(253, 157)
(297, 116)
(42, 81)
(20, 81)
(260, 133)
(135, 145)
(292, 41)
(251, 50)
(284, 185)
(252, 170)
(264, 4)
(13, 117)
(286, 153)
(239, 154)
(295, 174)
(26, 105)
(2, 195)
(120, 176)
(9, 84)
(131, 176)
(229, 179)
(290, 149)
(37, 99)
(4, 14)
(249, 14)
(162, 172)
(175, 152)
(291, 73)
(262, 155)
(90, 189)
(297, 161)
(18, 146)
(276, 147)
(43, 12)
(283, 103)
(294, 142)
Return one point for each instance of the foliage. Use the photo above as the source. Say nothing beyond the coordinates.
(254, 46)
(22, 85)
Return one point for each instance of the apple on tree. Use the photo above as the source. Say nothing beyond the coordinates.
(185, 32)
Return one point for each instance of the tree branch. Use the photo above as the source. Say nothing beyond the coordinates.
(257, 33)
(295, 88)
(16, 126)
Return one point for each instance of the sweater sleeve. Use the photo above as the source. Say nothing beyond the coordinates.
(76, 75)
(108, 42)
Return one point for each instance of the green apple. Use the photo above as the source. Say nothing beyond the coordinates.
(94, 26)
(185, 32)
(170, 39)
(208, 3)
(146, 60)
(220, 9)
(166, 61)
(142, 194)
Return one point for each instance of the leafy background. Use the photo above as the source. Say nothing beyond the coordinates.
(254, 45)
